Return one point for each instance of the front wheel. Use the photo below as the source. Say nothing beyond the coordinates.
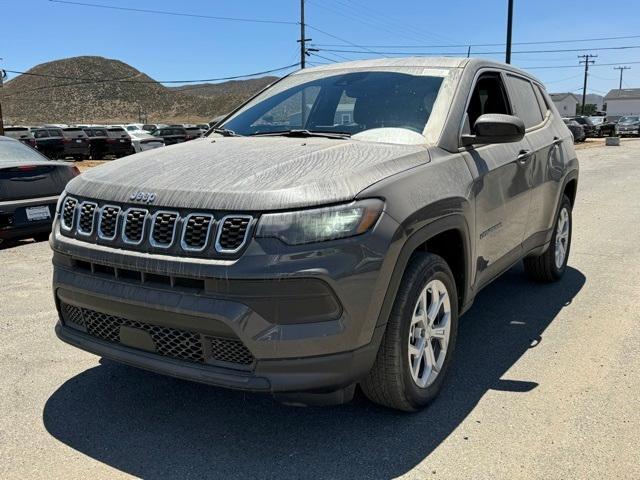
(416, 350)
(551, 265)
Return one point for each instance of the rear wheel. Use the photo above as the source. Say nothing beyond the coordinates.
(551, 265)
(419, 340)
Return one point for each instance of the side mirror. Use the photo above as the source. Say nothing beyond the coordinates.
(495, 128)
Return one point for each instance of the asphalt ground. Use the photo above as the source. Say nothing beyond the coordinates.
(545, 382)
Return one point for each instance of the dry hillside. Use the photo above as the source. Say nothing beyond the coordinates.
(101, 90)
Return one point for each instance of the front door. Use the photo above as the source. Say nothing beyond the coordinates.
(502, 189)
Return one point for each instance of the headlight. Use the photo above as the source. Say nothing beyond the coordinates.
(320, 224)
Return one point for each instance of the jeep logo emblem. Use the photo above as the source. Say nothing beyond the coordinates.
(144, 197)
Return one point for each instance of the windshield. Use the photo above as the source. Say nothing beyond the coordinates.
(596, 120)
(347, 103)
(630, 119)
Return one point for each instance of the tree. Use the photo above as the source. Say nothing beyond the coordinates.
(589, 109)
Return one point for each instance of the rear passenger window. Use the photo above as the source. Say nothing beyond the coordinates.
(524, 101)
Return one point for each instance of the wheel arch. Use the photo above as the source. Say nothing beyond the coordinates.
(447, 237)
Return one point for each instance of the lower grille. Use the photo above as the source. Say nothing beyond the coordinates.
(169, 342)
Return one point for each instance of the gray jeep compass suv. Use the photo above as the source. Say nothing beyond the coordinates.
(327, 233)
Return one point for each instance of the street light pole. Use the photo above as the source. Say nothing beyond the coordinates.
(509, 31)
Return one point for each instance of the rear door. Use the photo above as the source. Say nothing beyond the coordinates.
(544, 136)
(502, 193)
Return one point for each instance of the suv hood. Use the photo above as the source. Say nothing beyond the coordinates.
(250, 173)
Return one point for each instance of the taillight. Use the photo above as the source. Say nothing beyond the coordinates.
(75, 171)
(26, 168)
(67, 140)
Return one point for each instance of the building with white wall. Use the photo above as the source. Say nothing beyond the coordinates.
(566, 103)
(622, 102)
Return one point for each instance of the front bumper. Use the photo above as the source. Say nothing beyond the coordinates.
(309, 315)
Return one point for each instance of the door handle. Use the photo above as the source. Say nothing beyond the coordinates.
(557, 141)
(524, 156)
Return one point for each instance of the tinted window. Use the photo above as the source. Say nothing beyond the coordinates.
(99, 132)
(73, 132)
(40, 133)
(55, 133)
(380, 100)
(524, 101)
(542, 102)
(11, 151)
(489, 96)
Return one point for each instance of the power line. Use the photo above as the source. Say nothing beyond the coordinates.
(466, 45)
(577, 66)
(340, 39)
(107, 80)
(564, 50)
(127, 79)
(174, 14)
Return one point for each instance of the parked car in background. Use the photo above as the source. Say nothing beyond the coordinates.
(49, 142)
(97, 142)
(171, 135)
(605, 128)
(204, 127)
(22, 134)
(193, 132)
(576, 130)
(118, 142)
(76, 143)
(152, 127)
(590, 130)
(30, 185)
(132, 127)
(302, 256)
(141, 140)
(629, 125)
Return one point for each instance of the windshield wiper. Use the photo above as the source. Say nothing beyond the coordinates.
(225, 132)
(302, 133)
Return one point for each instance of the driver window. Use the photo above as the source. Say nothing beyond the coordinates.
(489, 96)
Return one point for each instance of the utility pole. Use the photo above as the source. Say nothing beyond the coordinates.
(509, 31)
(622, 69)
(303, 40)
(3, 75)
(587, 61)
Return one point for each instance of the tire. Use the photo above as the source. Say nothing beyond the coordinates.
(41, 237)
(390, 382)
(545, 267)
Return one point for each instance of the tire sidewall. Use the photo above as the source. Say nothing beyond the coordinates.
(417, 396)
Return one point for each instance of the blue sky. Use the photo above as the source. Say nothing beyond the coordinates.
(172, 47)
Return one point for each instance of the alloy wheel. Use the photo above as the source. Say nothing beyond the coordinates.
(562, 237)
(429, 333)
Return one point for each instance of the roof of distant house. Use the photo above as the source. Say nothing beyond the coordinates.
(558, 97)
(624, 94)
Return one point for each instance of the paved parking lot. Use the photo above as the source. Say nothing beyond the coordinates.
(545, 383)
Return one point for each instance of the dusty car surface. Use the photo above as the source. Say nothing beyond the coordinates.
(327, 233)
(29, 188)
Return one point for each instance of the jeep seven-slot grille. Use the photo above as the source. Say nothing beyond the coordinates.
(85, 222)
(68, 212)
(109, 222)
(196, 231)
(164, 228)
(201, 234)
(134, 225)
(233, 232)
(169, 342)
